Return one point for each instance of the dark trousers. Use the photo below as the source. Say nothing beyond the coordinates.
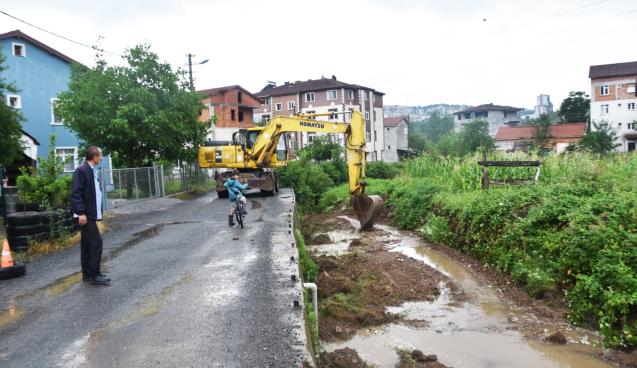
(91, 249)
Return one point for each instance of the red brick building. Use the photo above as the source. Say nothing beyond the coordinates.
(232, 105)
(521, 137)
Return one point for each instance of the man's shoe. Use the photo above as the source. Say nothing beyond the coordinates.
(230, 220)
(100, 280)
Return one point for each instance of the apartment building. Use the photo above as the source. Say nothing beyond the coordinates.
(613, 100)
(496, 115)
(233, 107)
(325, 95)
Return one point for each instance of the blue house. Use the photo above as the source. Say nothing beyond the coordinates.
(40, 73)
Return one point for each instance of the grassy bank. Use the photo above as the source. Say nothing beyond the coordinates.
(575, 232)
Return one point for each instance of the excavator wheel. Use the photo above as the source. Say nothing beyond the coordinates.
(367, 209)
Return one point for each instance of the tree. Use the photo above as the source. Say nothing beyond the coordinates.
(417, 141)
(139, 113)
(541, 131)
(476, 135)
(434, 127)
(575, 108)
(323, 148)
(600, 140)
(10, 123)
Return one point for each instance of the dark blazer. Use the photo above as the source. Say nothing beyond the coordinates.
(83, 192)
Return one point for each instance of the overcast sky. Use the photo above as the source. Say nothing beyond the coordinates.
(417, 52)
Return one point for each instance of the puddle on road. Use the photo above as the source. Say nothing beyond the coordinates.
(12, 314)
(474, 333)
(138, 237)
(63, 284)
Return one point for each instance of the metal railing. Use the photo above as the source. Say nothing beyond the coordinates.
(123, 186)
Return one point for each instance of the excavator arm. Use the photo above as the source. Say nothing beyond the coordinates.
(354, 131)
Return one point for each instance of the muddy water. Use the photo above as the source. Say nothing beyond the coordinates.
(474, 333)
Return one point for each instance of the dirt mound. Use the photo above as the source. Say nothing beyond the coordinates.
(417, 359)
(342, 358)
(357, 288)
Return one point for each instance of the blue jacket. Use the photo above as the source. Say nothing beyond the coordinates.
(234, 188)
(83, 192)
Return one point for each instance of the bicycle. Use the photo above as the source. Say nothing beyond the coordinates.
(239, 210)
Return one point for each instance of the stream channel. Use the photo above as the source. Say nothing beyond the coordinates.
(477, 332)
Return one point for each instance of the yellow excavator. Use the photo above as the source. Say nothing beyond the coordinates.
(257, 153)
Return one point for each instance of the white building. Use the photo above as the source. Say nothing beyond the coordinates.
(613, 100)
(396, 138)
(496, 115)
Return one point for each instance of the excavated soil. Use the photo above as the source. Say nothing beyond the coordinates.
(355, 289)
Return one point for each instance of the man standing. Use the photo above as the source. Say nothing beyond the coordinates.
(86, 202)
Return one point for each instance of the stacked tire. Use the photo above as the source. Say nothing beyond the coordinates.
(25, 227)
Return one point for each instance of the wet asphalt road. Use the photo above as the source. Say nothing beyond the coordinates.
(183, 294)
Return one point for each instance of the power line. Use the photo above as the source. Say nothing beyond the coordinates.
(58, 35)
(578, 8)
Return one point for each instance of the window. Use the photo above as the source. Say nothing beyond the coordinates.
(310, 137)
(388, 129)
(290, 105)
(18, 49)
(350, 94)
(631, 106)
(232, 115)
(265, 118)
(374, 115)
(632, 126)
(240, 115)
(278, 107)
(68, 155)
(604, 109)
(406, 130)
(331, 94)
(55, 120)
(630, 89)
(239, 97)
(14, 101)
(309, 97)
(265, 101)
(333, 113)
(363, 96)
(388, 147)
(366, 115)
(375, 136)
(603, 90)
(311, 112)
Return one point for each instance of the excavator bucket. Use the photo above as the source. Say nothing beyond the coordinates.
(367, 209)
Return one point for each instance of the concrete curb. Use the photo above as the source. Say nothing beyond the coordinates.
(285, 264)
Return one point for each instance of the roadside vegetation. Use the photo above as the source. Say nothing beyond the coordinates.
(571, 236)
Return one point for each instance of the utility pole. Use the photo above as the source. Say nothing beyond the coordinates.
(192, 84)
(190, 56)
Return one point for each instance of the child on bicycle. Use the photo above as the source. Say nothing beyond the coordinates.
(235, 188)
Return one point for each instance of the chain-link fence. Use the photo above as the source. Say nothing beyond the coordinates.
(123, 186)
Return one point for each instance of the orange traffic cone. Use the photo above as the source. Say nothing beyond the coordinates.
(6, 260)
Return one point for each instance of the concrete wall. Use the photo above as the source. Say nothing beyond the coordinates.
(496, 119)
(39, 77)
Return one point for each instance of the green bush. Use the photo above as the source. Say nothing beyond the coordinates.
(308, 180)
(46, 186)
(575, 231)
(382, 170)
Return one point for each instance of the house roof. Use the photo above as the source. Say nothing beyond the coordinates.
(307, 86)
(559, 131)
(394, 121)
(35, 141)
(219, 90)
(612, 70)
(489, 107)
(19, 34)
